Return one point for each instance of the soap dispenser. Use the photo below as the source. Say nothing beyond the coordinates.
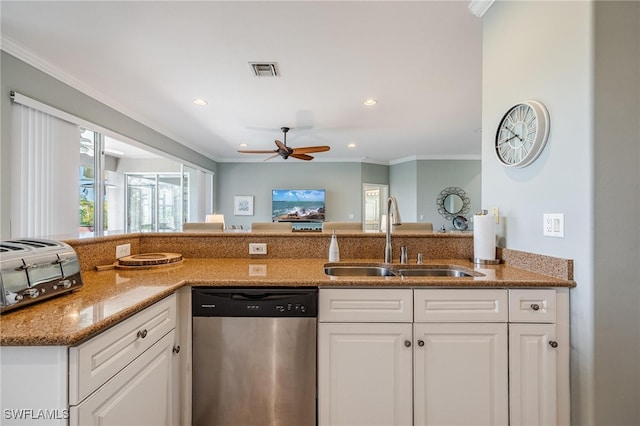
(334, 250)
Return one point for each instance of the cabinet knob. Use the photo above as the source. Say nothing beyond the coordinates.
(176, 349)
(142, 333)
(421, 343)
(407, 343)
(535, 306)
(553, 344)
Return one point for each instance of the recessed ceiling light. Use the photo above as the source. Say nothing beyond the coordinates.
(370, 102)
(243, 145)
(200, 102)
(352, 145)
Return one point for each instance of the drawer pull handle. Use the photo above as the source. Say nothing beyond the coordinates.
(535, 306)
(553, 344)
(407, 343)
(176, 349)
(421, 343)
(142, 333)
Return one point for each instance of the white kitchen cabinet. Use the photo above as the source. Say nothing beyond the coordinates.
(460, 374)
(480, 357)
(364, 374)
(141, 394)
(114, 378)
(461, 357)
(124, 376)
(365, 357)
(539, 357)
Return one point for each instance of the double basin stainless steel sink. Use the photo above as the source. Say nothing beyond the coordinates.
(369, 270)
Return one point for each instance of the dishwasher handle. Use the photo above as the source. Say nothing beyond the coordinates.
(252, 297)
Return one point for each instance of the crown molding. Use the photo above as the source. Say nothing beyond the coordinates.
(480, 7)
(435, 157)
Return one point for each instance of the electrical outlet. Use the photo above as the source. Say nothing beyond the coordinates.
(123, 250)
(257, 248)
(257, 270)
(553, 225)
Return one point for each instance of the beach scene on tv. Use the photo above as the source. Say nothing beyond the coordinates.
(290, 205)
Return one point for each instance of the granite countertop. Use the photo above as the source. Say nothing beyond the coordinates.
(108, 297)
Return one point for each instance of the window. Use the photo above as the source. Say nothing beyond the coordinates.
(154, 202)
(70, 179)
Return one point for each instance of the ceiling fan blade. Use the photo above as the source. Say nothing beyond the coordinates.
(281, 145)
(307, 149)
(258, 151)
(269, 158)
(302, 156)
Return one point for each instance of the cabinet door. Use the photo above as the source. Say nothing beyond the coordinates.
(533, 366)
(461, 375)
(139, 395)
(364, 374)
(95, 361)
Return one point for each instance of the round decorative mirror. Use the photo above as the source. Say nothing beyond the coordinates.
(452, 202)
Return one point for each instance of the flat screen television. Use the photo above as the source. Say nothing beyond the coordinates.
(297, 205)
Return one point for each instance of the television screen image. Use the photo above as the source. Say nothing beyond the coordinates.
(292, 205)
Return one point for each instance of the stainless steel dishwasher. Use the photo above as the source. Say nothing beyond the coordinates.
(254, 356)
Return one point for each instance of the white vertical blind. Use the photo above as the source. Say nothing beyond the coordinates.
(44, 169)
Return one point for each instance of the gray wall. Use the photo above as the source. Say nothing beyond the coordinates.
(375, 173)
(617, 195)
(403, 184)
(588, 171)
(27, 80)
(417, 184)
(342, 182)
(414, 183)
(436, 175)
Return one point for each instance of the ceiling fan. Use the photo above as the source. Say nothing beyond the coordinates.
(285, 152)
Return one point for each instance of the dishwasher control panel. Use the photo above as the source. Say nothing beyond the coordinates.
(254, 302)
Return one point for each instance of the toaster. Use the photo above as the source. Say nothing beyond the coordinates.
(33, 270)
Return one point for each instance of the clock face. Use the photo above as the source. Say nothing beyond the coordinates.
(522, 133)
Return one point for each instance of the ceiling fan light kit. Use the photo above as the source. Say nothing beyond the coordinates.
(285, 152)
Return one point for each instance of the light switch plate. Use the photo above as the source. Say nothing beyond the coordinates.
(553, 225)
(495, 212)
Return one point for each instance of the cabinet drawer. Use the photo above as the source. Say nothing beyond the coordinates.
(475, 305)
(94, 362)
(365, 305)
(532, 305)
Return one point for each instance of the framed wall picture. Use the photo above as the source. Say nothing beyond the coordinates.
(243, 205)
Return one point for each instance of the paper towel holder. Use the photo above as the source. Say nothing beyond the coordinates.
(477, 261)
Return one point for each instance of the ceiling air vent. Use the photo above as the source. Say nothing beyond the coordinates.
(264, 69)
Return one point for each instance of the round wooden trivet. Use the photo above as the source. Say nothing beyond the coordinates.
(150, 259)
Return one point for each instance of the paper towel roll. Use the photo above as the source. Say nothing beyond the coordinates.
(484, 237)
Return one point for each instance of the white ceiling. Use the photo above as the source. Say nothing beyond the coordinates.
(420, 60)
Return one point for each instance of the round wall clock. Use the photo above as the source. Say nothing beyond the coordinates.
(522, 134)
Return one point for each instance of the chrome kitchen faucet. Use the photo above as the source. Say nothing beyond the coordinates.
(388, 257)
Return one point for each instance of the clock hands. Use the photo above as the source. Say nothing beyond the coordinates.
(508, 139)
(515, 135)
